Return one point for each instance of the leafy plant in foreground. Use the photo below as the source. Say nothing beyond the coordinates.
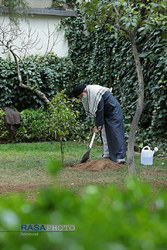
(104, 218)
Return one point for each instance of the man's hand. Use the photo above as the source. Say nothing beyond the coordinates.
(96, 130)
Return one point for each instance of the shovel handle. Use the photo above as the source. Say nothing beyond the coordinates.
(92, 140)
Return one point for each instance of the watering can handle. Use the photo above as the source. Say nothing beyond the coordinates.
(146, 147)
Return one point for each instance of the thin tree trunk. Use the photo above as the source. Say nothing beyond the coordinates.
(139, 107)
(62, 151)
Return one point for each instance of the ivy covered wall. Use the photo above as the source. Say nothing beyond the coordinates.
(103, 59)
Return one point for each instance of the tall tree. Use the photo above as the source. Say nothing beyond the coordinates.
(126, 18)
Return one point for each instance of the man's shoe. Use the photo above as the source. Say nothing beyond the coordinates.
(121, 161)
(105, 156)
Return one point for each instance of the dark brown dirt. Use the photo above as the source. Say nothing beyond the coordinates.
(98, 165)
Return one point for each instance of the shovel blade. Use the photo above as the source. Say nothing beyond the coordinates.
(85, 157)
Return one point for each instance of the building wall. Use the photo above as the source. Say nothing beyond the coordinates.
(39, 3)
(43, 22)
(45, 32)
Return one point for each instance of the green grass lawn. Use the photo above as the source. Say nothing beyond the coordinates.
(23, 168)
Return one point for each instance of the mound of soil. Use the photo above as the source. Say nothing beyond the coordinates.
(98, 165)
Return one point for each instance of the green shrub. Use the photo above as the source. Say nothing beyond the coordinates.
(4, 133)
(34, 126)
(104, 218)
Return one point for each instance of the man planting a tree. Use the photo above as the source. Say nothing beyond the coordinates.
(99, 104)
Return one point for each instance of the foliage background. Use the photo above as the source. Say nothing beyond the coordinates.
(99, 58)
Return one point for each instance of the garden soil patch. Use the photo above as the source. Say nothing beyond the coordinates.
(98, 165)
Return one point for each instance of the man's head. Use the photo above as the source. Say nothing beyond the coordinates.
(79, 90)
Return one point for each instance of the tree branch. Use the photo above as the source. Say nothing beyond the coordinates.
(143, 17)
(41, 95)
(117, 22)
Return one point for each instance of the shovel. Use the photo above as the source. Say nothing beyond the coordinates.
(86, 155)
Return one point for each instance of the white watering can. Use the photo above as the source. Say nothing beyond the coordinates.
(147, 155)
